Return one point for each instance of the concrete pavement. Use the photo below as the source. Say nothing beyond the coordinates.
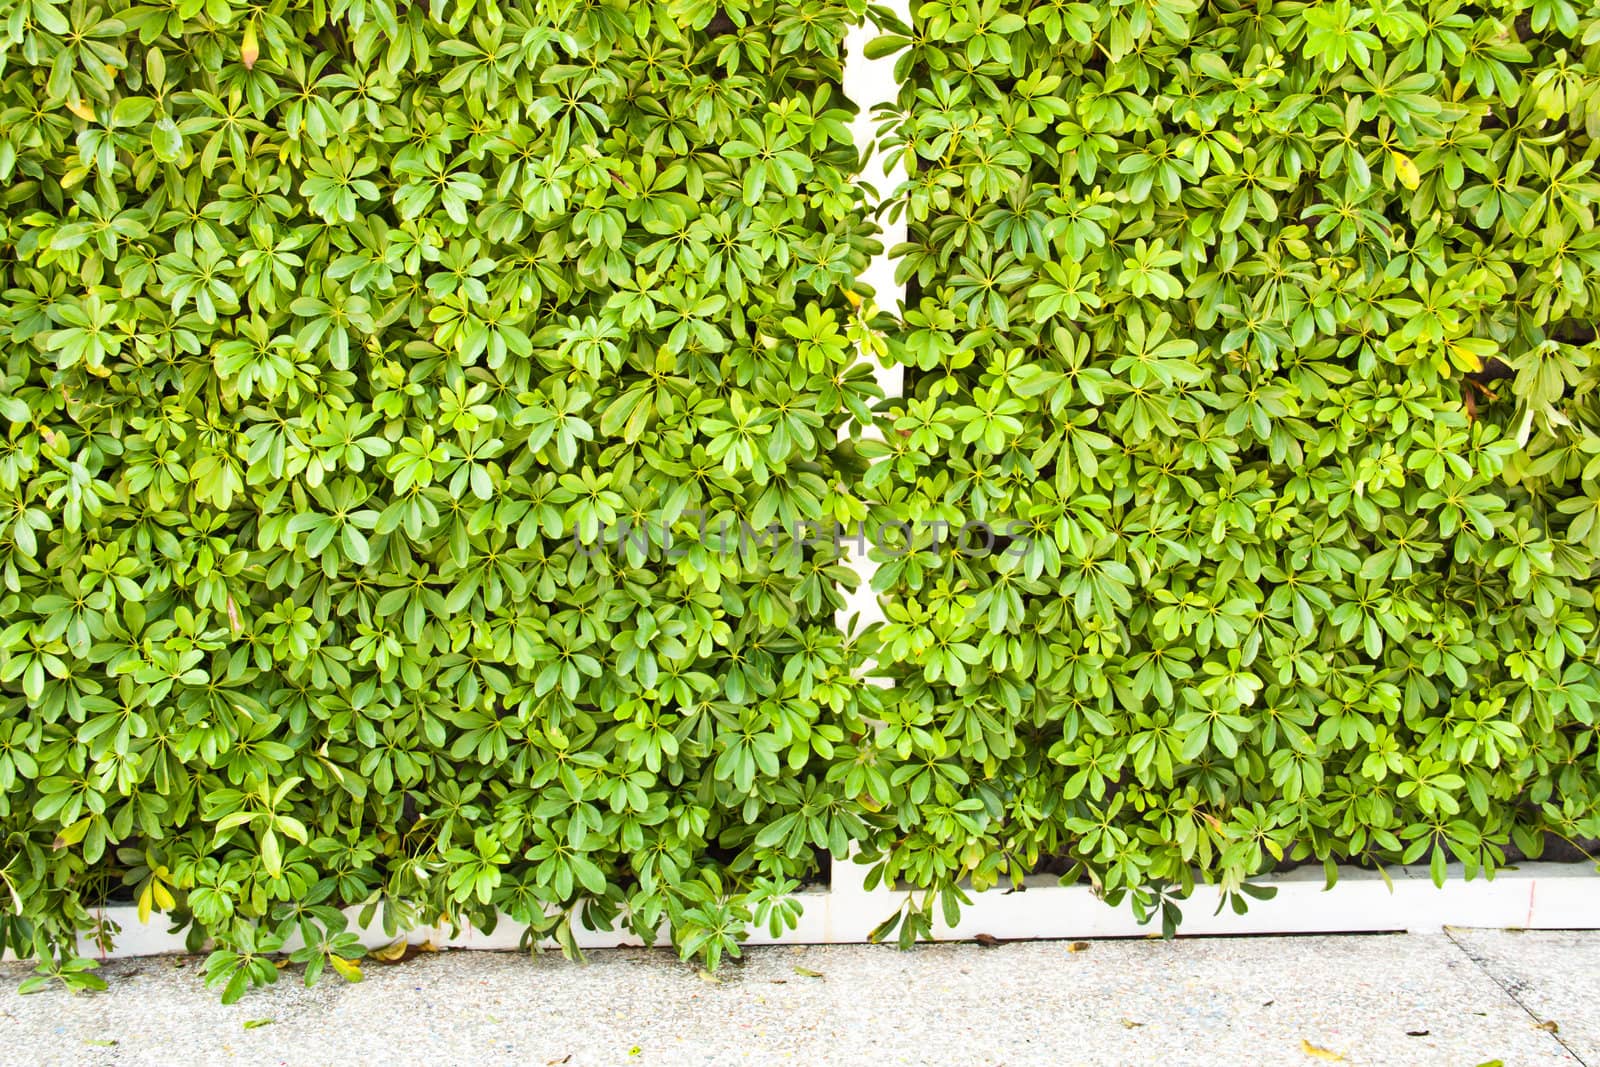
(1463, 998)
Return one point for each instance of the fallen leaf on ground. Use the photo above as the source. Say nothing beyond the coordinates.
(807, 972)
(400, 951)
(986, 940)
(393, 952)
(1549, 1026)
(1129, 1024)
(100, 1044)
(256, 1024)
(349, 970)
(1417, 1033)
(1078, 946)
(706, 976)
(1319, 1052)
(553, 1063)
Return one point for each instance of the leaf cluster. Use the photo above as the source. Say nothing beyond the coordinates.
(372, 373)
(1273, 325)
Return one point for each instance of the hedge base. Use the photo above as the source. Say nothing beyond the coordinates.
(1534, 896)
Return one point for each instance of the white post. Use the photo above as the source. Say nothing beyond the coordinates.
(868, 83)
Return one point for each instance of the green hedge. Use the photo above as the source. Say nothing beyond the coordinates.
(381, 384)
(1274, 324)
(341, 343)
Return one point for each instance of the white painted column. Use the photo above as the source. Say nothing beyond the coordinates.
(853, 912)
(870, 82)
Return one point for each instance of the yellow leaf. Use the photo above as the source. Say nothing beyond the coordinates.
(249, 50)
(81, 109)
(72, 834)
(147, 902)
(1406, 170)
(347, 968)
(1469, 353)
(392, 951)
(164, 898)
(1319, 1052)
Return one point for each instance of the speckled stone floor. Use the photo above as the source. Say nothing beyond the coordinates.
(1464, 998)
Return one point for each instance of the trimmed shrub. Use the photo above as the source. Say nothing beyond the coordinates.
(1272, 329)
(380, 382)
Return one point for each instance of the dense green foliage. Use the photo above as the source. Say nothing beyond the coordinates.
(330, 331)
(1193, 290)
(379, 384)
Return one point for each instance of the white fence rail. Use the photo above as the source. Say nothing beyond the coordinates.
(1535, 896)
